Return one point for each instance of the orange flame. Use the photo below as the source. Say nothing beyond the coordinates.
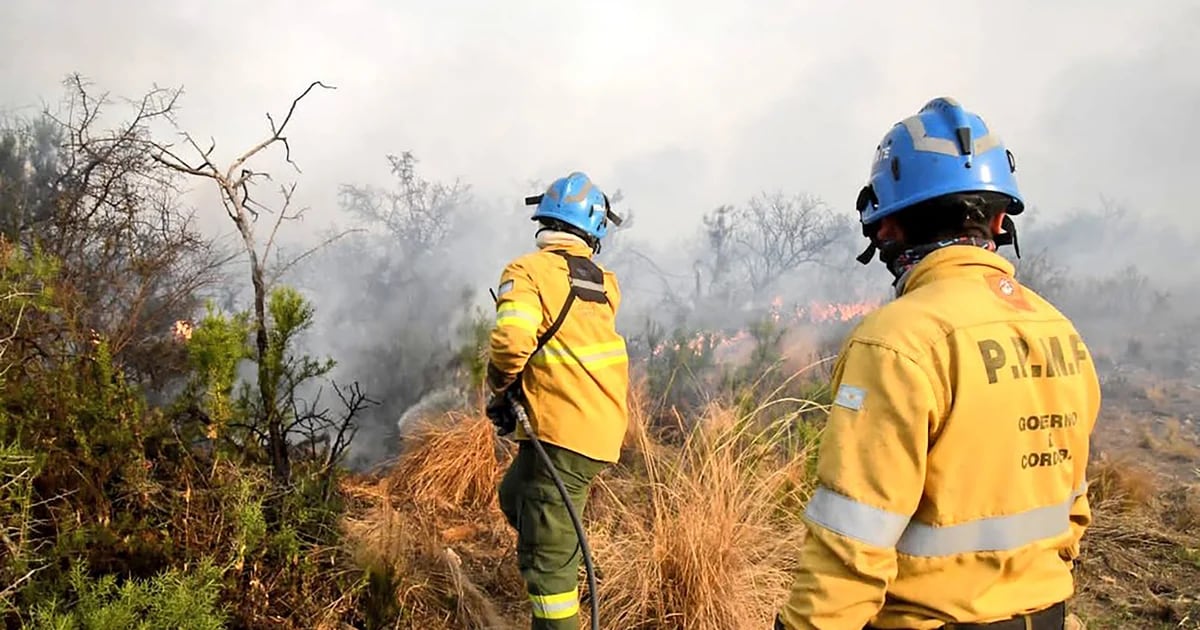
(812, 313)
(818, 312)
(182, 331)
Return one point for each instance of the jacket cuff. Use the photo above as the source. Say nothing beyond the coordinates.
(497, 380)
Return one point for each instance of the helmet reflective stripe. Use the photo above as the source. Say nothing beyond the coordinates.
(933, 144)
(573, 198)
(943, 149)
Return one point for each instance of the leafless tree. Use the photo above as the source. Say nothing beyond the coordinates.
(94, 199)
(719, 244)
(419, 214)
(747, 249)
(235, 183)
(775, 234)
(1042, 273)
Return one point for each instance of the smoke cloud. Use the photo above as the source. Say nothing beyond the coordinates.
(684, 108)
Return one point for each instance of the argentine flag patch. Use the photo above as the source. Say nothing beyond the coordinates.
(850, 397)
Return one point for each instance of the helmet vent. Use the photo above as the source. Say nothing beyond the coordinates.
(964, 140)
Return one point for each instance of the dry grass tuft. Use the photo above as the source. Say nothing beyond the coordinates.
(701, 534)
(1138, 566)
(423, 529)
(1121, 484)
(700, 542)
(451, 463)
(1154, 392)
(1173, 443)
(412, 577)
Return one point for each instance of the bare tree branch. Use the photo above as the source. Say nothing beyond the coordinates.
(276, 135)
(283, 268)
(242, 209)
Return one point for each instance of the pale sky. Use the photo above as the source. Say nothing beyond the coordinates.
(683, 104)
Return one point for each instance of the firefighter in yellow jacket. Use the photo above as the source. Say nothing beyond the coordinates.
(951, 473)
(574, 387)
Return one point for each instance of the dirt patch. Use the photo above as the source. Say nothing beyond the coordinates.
(1140, 566)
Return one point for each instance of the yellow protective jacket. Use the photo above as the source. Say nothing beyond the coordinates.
(577, 385)
(951, 471)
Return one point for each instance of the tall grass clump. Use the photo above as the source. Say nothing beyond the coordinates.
(707, 538)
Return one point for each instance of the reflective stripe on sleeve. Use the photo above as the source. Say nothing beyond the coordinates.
(997, 533)
(518, 315)
(880, 528)
(862, 522)
(556, 606)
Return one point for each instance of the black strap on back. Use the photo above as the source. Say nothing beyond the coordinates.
(587, 284)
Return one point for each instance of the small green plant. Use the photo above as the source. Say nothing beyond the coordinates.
(1190, 555)
(18, 469)
(475, 333)
(172, 599)
(217, 346)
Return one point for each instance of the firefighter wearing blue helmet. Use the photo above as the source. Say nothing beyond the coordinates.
(951, 474)
(575, 205)
(556, 347)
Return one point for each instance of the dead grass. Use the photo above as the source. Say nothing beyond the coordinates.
(1172, 443)
(1137, 568)
(1155, 393)
(422, 529)
(700, 535)
(1121, 484)
(452, 463)
(700, 542)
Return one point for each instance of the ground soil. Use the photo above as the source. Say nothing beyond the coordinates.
(1140, 566)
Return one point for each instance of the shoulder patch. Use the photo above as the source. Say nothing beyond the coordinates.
(504, 287)
(850, 397)
(1008, 290)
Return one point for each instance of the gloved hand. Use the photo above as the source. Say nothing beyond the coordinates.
(502, 411)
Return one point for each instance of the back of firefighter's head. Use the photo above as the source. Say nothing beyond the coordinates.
(575, 205)
(938, 175)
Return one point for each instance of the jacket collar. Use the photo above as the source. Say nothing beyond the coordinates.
(555, 240)
(953, 261)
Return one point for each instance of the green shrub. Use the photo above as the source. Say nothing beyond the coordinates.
(180, 600)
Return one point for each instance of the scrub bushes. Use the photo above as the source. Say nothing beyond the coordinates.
(114, 509)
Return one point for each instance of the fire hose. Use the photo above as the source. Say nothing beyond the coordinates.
(594, 595)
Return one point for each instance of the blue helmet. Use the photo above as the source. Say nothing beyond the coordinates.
(579, 203)
(943, 149)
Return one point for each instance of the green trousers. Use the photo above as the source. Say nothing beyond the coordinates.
(548, 551)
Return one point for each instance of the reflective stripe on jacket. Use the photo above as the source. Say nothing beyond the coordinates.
(952, 466)
(578, 383)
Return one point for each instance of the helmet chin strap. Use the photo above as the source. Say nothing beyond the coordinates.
(890, 250)
(867, 254)
(1008, 236)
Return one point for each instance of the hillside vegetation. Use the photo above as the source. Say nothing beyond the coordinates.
(175, 451)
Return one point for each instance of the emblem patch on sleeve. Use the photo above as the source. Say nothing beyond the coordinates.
(504, 287)
(850, 397)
